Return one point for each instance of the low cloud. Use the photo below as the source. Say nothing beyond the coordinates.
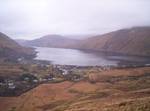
(28, 19)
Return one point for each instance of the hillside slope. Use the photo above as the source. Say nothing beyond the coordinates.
(134, 41)
(113, 90)
(52, 41)
(9, 49)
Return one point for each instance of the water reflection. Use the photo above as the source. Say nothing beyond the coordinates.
(81, 58)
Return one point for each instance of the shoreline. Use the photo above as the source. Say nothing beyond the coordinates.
(59, 71)
(121, 64)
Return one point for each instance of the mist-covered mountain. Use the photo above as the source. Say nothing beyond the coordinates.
(56, 41)
(11, 50)
(133, 41)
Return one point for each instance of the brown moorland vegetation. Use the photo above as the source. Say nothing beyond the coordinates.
(110, 90)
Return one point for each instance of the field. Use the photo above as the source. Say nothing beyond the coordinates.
(110, 90)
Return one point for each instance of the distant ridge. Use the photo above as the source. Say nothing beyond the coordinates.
(132, 41)
(56, 41)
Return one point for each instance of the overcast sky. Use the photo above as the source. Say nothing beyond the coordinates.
(29, 19)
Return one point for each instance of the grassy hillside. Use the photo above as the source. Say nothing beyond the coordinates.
(109, 90)
(9, 49)
(134, 41)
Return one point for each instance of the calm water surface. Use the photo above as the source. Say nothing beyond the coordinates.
(81, 58)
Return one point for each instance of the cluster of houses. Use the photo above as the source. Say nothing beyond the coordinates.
(66, 72)
(27, 81)
(7, 84)
(69, 72)
(21, 84)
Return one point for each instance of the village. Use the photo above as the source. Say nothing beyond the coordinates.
(24, 85)
(35, 73)
(16, 84)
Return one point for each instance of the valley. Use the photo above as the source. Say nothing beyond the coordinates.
(31, 84)
(74, 55)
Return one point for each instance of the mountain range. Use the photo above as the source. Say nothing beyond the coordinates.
(131, 41)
